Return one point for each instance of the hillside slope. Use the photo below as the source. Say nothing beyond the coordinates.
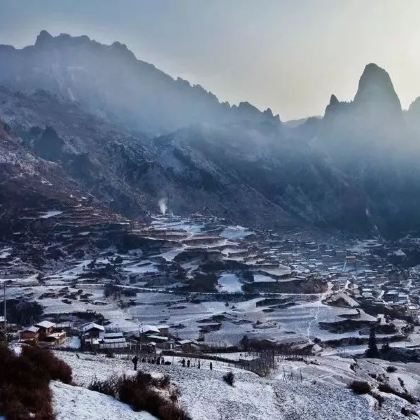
(131, 137)
(243, 172)
(206, 396)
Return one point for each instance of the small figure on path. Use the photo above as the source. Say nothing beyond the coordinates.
(188, 363)
(135, 360)
(211, 365)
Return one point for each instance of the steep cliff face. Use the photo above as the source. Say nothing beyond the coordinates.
(375, 144)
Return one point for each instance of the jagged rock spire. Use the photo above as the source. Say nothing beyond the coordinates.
(375, 87)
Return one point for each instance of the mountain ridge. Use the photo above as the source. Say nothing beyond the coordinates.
(138, 93)
(73, 102)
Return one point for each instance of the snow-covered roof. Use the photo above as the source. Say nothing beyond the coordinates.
(32, 329)
(113, 335)
(45, 324)
(158, 338)
(149, 328)
(184, 342)
(114, 340)
(349, 301)
(92, 326)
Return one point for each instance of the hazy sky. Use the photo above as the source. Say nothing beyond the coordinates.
(289, 55)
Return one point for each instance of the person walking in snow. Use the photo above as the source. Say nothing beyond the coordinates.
(135, 360)
(211, 365)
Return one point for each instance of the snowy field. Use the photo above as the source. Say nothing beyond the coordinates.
(322, 394)
(74, 402)
(160, 283)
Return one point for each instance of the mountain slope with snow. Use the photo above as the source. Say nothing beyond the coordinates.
(206, 396)
(74, 402)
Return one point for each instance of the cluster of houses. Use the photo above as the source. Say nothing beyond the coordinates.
(148, 338)
(94, 337)
(44, 332)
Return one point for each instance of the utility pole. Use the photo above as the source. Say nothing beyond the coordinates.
(4, 311)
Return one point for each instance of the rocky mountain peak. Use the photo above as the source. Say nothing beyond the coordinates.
(334, 106)
(43, 38)
(333, 100)
(375, 87)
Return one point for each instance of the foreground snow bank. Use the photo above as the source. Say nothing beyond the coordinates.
(74, 402)
(205, 396)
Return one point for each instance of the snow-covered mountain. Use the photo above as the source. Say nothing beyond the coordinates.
(244, 172)
(131, 136)
(110, 82)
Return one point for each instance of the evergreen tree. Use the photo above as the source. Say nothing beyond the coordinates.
(372, 350)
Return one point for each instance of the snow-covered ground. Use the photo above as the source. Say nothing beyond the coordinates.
(75, 402)
(321, 394)
(275, 266)
(229, 283)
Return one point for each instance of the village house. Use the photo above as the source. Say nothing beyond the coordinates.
(159, 341)
(163, 330)
(113, 340)
(154, 336)
(146, 330)
(56, 338)
(91, 334)
(45, 329)
(187, 346)
(43, 332)
(413, 312)
(92, 330)
(48, 333)
(30, 335)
